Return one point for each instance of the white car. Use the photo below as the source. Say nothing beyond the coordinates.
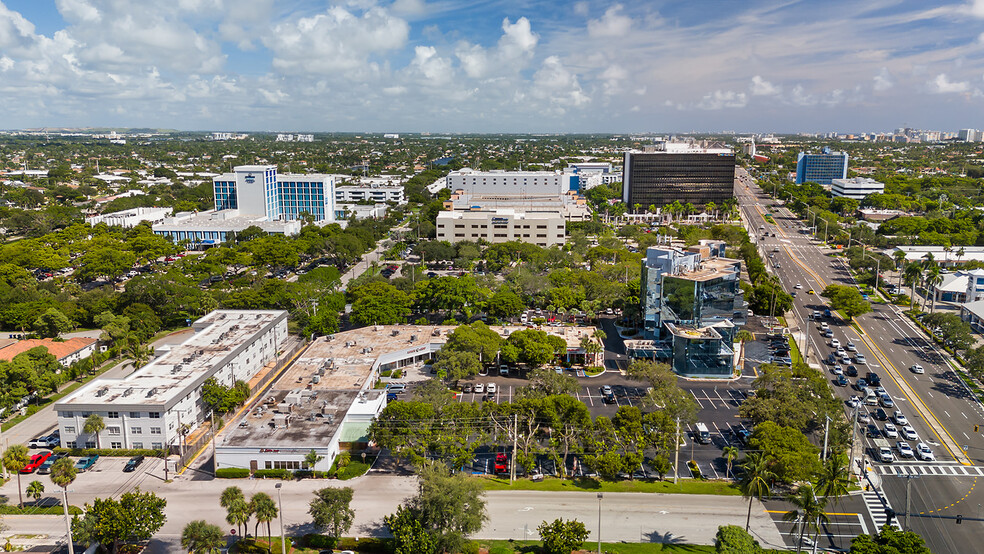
(838, 370)
(917, 369)
(853, 402)
(860, 360)
(905, 450)
(834, 343)
(891, 431)
(851, 347)
(490, 388)
(798, 286)
(479, 388)
(900, 418)
(909, 433)
(925, 453)
(885, 455)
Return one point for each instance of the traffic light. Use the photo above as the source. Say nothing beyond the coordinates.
(959, 519)
(977, 428)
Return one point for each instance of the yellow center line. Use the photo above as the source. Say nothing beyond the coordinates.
(921, 407)
(828, 513)
(964, 497)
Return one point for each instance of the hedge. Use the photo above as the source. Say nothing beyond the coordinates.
(110, 452)
(353, 469)
(274, 473)
(368, 545)
(231, 473)
(39, 510)
(308, 474)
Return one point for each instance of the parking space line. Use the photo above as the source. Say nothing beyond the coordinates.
(697, 399)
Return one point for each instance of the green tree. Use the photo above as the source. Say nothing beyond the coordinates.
(201, 537)
(889, 540)
(35, 489)
(731, 539)
(547, 382)
(331, 510)
(94, 425)
(135, 517)
(409, 534)
(449, 506)
(476, 338)
(730, 453)
(505, 303)
(795, 458)
(52, 323)
(63, 472)
(14, 459)
(755, 478)
(237, 509)
(807, 513)
(452, 365)
(379, 303)
(834, 478)
(312, 458)
(264, 510)
(561, 537)
(846, 299)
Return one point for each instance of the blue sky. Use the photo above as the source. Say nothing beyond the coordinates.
(492, 65)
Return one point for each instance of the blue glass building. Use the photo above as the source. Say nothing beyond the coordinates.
(821, 168)
(259, 190)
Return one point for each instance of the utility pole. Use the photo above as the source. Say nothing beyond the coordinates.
(280, 501)
(676, 457)
(826, 433)
(908, 482)
(212, 415)
(68, 522)
(512, 466)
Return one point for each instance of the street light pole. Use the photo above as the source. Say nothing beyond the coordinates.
(280, 502)
(68, 522)
(600, 496)
(908, 482)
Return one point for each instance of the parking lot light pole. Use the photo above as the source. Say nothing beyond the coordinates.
(280, 502)
(68, 522)
(600, 496)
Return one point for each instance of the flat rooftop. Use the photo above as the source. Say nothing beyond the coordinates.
(219, 221)
(169, 377)
(710, 268)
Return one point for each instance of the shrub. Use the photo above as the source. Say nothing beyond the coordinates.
(273, 473)
(231, 473)
(353, 469)
(385, 373)
(369, 545)
(109, 452)
(308, 474)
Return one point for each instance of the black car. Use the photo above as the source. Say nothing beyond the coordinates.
(841, 381)
(851, 371)
(873, 379)
(880, 415)
(743, 435)
(133, 463)
(873, 431)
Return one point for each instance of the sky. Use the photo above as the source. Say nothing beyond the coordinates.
(489, 66)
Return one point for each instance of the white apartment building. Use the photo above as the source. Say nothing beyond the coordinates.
(544, 228)
(392, 194)
(856, 187)
(513, 182)
(149, 407)
(131, 218)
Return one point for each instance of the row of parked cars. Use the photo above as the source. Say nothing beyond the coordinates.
(41, 463)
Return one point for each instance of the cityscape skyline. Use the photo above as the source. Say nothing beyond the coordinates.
(413, 65)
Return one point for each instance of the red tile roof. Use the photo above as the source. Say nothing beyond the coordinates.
(59, 349)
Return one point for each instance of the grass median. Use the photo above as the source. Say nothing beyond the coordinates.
(685, 486)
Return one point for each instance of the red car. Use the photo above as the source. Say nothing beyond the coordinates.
(501, 463)
(35, 463)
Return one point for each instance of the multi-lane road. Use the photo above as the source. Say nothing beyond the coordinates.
(936, 403)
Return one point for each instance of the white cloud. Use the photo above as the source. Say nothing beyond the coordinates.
(558, 85)
(511, 54)
(336, 40)
(800, 97)
(977, 8)
(437, 71)
(409, 7)
(718, 100)
(612, 24)
(761, 87)
(581, 8)
(883, 81)
(78, 10)
(942, 85)
(6, 64)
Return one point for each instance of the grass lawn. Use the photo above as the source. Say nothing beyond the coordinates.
(533, 547)
(685, 486)
(794, 351)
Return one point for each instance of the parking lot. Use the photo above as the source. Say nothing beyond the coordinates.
(106, 476)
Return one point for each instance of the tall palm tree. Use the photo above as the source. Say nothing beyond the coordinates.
(756, 474)
(743, 336)
(899, 257)
(63, 474)
(730, 453)
(94, 425)
(946, 253)
(913, 275)
(710, 207)
(35, 489)
(264, 509)
(834, 478)
(201, 537)
(932, 280)
(808, 512)
(237, 509)
(960, 254)
(14, 459)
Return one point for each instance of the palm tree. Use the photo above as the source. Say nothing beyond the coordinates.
(63, 474)
(756, 474)
(834, 478)
(743, 336)
(710, 207)
(932, 280)
(808, 512)
(201, 537)
(730, 453)
(960, 254)
(899, 257)
(265, 510)
(94, 425)
(913, 275)
(14, 459)
(946, 254)
(35, 489)
(237, 509)
(312, 458)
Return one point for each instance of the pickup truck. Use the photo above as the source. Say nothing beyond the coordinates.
(85, 463)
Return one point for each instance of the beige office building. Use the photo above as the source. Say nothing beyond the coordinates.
(544, 228)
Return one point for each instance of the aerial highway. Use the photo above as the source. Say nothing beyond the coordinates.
(937, 403)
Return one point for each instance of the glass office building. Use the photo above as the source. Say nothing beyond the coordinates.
(660, 178)
(260, 191)
(821, 168)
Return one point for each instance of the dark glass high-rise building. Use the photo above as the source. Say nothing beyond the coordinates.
(696, 176)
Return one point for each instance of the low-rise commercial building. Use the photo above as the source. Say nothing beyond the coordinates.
(856, 187)
(131, 218)
(157, 404)
(502, 225)
(213, 227)
(65, 351)
(520, 183)
(940, 255)
(370, 193)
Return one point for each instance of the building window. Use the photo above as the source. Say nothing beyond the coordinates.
(90, 444)
(155, 430)
(65, 414)
(156, 446)
(113, 415)
(138, 445)
(278, 464)
(155, 415)
(116, 445)
(71, 444)
(70, 430)
(113, 430)
(136, 430)
(86, 414)
(135, 415)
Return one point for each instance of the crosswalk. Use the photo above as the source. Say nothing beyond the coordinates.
(945, 470)
(876, 505)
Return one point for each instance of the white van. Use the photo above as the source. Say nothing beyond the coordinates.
(703, 435)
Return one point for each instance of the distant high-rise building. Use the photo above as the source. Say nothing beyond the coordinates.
(821, 168)
(666, 172)
(969, 135)
(259, 190)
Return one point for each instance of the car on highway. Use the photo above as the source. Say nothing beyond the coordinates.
(846, 360)
(133, 463)
(810, 292)
(873, 378)
(905, 450)
(891, 432)
(853, 402)
(900, 418)
(885, 455)
(886, 401)
(841, 381)
(909, 432)
(863, 417)
(827, 333)
(85, 463)
(851, 347)
(925, 453)
(45, 468)
(834, 343)
(35, 462)
(880, 415)
(916, 368)
(838, 370)
(851, 371)
(873, 431)
(860, 359)
(798, 286)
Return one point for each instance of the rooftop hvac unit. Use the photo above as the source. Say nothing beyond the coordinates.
(128, 391)
(102, 392)
(284, 407)
(152, 392)
(396, 332)
(413, 338)
(316, 379)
